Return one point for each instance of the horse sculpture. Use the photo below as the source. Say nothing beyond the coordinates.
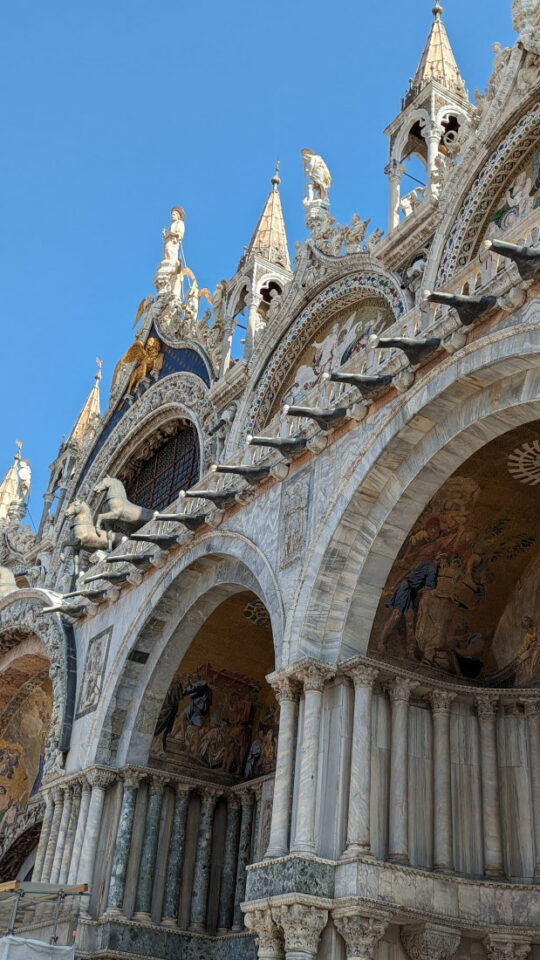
(118, 509)
(83, 533)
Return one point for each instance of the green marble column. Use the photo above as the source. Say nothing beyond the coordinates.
(122, 846)
(228, 876)
(244, 849)
(175, 862)
(145, 886)
(201, 873)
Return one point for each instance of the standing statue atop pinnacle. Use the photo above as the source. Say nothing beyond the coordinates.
(172, 238)
(319, 181)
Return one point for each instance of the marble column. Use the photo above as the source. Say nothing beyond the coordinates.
(287, 692)
(443, 853)
(99, 780)
(532, 713)
(201, 873)
(58, 799)
(398, 840)
(486, 706)
(175, 861)
(358, 819)
(43, 837)
(230, 859)
(70, 836)
(244, 847)
(268, 936)
(394, 171)
(122, 847)
(147, 866)
(253, 320)
(361, 934)
(79, 833)
(62, 834)
(314, 676)
(302, 926)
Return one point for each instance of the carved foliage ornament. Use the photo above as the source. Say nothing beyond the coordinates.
(430, 941)
(361, 934)
(267, 935)
(302, 926)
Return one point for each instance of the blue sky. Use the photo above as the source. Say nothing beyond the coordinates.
(115, 111)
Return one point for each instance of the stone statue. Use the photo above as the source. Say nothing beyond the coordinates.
(172, 238)
(319, 176)
(410, 201)
(15, 487)
(193, 298)
(7, 582)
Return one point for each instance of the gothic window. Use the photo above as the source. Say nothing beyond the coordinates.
(167, 464)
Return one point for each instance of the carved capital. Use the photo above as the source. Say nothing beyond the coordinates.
(131, 777)
(285, 687)
(400, 688)
(361, 934)
(486, 706)
(430, 941)
(182, 789)
(157, 784)
(361, 674)
(532, 708)
(502, 948)
(268, 937)
(440, 700)
(302, 926)
(101, 778)
(315, 675)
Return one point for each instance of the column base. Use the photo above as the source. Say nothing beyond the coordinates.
(497, 873)
(442, 868)
(237, 928)
(142, 916)
(354, 850)
(304, 848)
(222, 931)
(169, 921)
(398, 858)
(197, 928)
(111, 912)
(275, 853)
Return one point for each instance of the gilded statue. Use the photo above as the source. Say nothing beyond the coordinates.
(146, 357)
(319, 176)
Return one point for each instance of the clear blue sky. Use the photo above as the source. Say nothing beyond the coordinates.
(115, 111)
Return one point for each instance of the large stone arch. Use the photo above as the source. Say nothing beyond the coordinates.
(21, 622)
(217, 567)
(492, 386)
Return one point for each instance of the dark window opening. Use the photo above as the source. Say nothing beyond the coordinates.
(156, 481)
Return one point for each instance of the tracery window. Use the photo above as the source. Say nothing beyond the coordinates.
(167, 463)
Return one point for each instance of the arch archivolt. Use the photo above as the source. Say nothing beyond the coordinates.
(493, 386)
(26, 635)
(217, 567)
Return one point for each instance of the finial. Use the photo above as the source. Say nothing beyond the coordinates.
(19, 445)
(437, 10)
(99, 366)
(276, 179)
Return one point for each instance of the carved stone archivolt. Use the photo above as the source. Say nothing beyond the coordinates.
(20, 618)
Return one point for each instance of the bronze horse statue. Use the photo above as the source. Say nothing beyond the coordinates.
(118, 509)
(83, 533)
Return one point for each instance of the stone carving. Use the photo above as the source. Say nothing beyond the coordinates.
(415, 274)
(411, 200)
(430, 941)
(502, 948)
(32, 815)
(294, 509)
(526, 18)
(7, 582)
(302, 926)
(94, 671)
(268, 937)
(118, 509)
(319, 179)
(528, 73)
(166, 273)
(15, 488)
(361, 934)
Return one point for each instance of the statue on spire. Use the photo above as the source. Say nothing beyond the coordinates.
(172, 239)
(15, 488)
(319, 179)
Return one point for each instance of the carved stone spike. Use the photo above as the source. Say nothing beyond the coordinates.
(430, 941)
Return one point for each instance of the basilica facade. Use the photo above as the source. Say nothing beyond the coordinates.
(270, 668)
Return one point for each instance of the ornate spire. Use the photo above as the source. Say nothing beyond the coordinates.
(15, 487)
(90, 413)
(270, 238)
(437, 61)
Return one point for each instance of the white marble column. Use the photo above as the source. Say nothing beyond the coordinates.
(79, 833)
(43, 837)
(302, 926)
(443, 853)
(287, 692)
(253, 321)
(268, 936)
(58, 799)
(99, 780)
(486, 706)
(62, 833)
(358, 820)
(70, 836)
(314, 677)
(532, 712)
(394, 171)
(361, 934)
(398, 840)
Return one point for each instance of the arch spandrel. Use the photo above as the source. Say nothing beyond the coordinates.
(491, 388)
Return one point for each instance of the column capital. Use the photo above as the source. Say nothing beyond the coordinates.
(505, 948)
(284, 686)
(532, 708)
(101, 778)
(430, 941)
(268, 937)
(246, 796)
(182, 789)
(76, 787)
(486, 705)
(400, 688)
(131, 777)
(394, 169)
(314, 674)
(57, 793)
(157, 784)
(440, 700)
(360, 674)
(302, 926)
(361, 934)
